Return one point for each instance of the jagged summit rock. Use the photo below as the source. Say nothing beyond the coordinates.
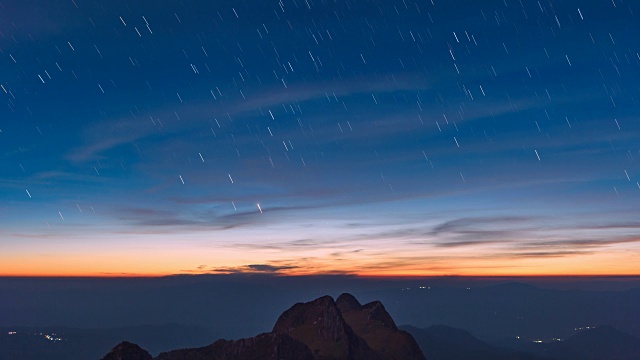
(322, 329)
(373, 323)
(347, 302)
(127, 351)
(267, 346)
(320, 325)
(374, 312)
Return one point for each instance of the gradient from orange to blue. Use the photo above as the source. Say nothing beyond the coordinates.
(375, 138)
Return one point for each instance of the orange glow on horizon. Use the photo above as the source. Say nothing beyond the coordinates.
(390, 273)
(179, 260)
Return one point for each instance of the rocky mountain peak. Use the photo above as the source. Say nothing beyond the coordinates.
(322, 329)
(373, 323)
(319, 324)
(347, 302)
(127, 351)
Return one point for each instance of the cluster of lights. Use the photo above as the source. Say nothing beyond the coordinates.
(52, 338)
(584, 328)
(419, 287)
(541, 341)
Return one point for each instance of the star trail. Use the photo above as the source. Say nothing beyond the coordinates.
(370, 137)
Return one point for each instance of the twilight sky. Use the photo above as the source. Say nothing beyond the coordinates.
(377, 137)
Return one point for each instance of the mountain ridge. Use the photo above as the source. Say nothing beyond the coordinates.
(321, 329)
(441, 342)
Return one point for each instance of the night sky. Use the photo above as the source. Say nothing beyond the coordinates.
(377, 137)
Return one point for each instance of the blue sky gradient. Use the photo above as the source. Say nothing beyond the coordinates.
(369, 137)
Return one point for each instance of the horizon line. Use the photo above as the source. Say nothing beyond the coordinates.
(346, 275)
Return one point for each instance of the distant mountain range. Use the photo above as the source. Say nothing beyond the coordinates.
(319, 329)
(237, 306)
(61, 343)
(599, 343)
(322, 329)
(441, 342)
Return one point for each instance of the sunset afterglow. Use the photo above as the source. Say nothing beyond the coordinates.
(390, 138)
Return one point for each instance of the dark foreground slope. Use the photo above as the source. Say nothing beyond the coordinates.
(440, 342)
(267, 346)
(321, 329)
(62, 343)
(599, 343)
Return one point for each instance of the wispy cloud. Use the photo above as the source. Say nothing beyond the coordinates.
(244, 269)
(103, 136)
(581, 243)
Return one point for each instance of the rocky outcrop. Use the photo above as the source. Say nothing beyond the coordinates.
(127, 351)
(267, 346)
(320, 325)
(373, 323)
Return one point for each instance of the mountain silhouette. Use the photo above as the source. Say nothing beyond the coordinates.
(373, 323)
(127, 351)
(267, 346)
(600, 343)
(322, 329)
(440, 342)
